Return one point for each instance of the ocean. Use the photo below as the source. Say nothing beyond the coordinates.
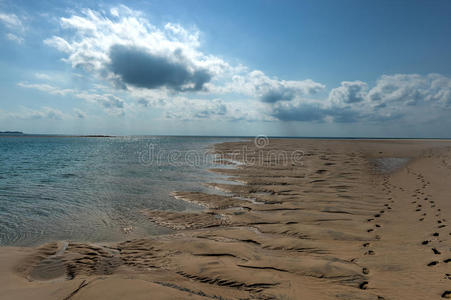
(94, 189)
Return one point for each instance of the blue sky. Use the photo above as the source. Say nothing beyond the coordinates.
(289, 68)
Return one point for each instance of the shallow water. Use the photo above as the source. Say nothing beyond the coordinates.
(390, 164)
(93, 189)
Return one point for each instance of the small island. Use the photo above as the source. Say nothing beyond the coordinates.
(11, 133)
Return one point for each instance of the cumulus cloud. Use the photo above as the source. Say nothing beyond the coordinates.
(275, 90)
(270, 90)
(412, 89)
(299, 111)
(164, 67)
(307, 111)
(349, 92)
(392, 97)
(394, 91)
(138, 67)
(124, 47)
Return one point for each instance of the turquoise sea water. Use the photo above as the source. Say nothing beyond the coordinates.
(93, 189)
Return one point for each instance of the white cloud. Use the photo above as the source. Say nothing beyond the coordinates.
(43, 113)
(186, 109)
(14, 24)
(43, 76)
(348, 92)
(11, 21)
(394, 93)
(124, 48)
(412, 89)
(145, 66)
(15, 38)
(96, 34)
(270, 90)
(59, 43)
(111, 103)
(46, 88)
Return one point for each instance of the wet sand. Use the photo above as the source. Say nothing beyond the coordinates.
(311, 219)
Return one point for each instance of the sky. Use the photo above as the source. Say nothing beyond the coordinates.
(347, 68)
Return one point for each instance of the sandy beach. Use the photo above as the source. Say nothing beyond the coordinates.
(300, 219)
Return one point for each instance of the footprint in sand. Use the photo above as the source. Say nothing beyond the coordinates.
(364, 285)
(436, 251)
(432, 263)
(446, 294)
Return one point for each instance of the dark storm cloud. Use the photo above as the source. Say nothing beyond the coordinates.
(139, 68)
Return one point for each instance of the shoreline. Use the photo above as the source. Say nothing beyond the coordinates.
(251, 137)
(326, 227)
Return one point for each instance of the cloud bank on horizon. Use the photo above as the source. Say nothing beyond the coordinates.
(130, 66)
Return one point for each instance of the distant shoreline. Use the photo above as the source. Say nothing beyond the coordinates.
(55, 135)
(21, 134)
